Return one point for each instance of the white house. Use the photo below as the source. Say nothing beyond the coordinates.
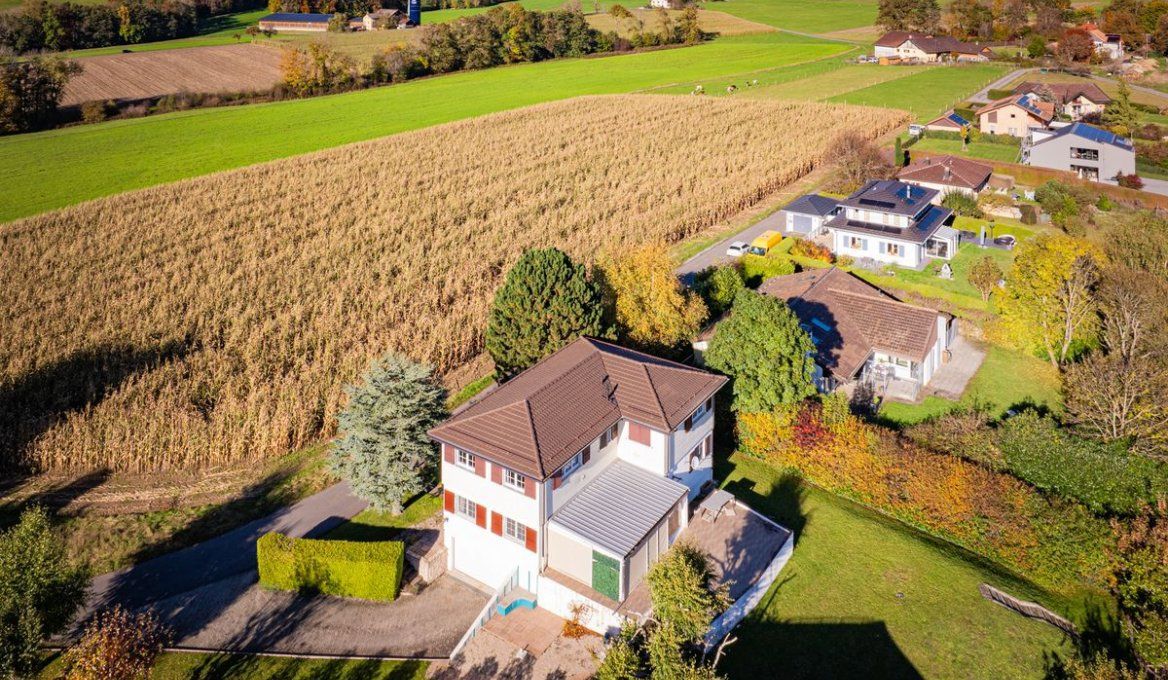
(946, 175)
(928, 48)
(575, 476)
(1109, 45)
(1073, 100)
(1089, 152)
(1015, 115)
(893, 222)
(807, 214)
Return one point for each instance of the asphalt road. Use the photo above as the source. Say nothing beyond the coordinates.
(716, 254)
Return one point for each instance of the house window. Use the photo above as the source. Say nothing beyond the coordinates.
(466, 507)
(610, 435)
(466, 460)
(855, 243)
(514, 480)
(1084, 154)
(572, 465)
(903, 363)
(894, 249)
(514, 530)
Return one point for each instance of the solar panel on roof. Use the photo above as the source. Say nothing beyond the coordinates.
(876, 204)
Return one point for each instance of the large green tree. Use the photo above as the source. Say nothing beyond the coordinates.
(767, 355)
(652, 310)
(30, 90)
(1121, 115)
(40, 591)
(383, 451)
(909, 15)
(546, 302)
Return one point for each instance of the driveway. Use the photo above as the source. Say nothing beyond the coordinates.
(1156, 186)
(208, 594)
(716, 254)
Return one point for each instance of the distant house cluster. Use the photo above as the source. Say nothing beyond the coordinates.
(906, 46)
(292, 22)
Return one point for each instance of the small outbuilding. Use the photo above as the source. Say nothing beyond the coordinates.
(949, 122)
(807, 214)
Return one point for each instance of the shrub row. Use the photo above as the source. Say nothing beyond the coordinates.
(1055, 542)
(1034, 448)
(365, 570)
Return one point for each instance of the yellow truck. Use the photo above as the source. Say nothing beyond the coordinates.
(764, 242)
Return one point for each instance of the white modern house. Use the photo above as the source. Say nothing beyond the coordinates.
(575, 476)
(1089, 152)
(893, 222)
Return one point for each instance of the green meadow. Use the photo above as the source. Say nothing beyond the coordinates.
(56, 168)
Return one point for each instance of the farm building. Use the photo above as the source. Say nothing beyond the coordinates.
(287, 22)
(908, 46)
(378, 19)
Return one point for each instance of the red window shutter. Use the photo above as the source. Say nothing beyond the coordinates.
(587, 455)
(529, 487)
(556, 479)
(639, 433)
(480, 466)
(496, 474)
(448, 453)
(530, 539)
(481, 515)
(449, 501)
(496, 524)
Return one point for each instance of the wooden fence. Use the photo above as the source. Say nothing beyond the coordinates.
(1030, 609)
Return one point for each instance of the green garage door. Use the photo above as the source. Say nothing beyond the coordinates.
(606, 575)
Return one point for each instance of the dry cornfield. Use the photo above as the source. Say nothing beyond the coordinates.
(214, 321)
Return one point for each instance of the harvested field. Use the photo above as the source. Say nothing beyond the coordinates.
(223, 68)
(214, 321)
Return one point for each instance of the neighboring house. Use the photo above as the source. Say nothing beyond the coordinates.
(659, 4)
(381, 18)
(861, 333)
(1090, 152)
(921, 47)
(947, 174)
(1073, 100)
(1015, 115)
(807, 214)
(893, 222)
(576, 475)
(1109, 45)
(949, 122)
(288, 22)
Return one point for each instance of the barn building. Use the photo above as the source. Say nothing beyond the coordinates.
(288, 22)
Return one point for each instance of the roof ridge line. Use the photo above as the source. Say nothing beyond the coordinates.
(534, 437)
(887, 298)
(656, 397)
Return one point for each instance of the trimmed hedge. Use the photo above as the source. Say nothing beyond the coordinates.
(366, 570)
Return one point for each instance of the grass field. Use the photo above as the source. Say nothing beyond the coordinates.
(1006, 378)
(51, 169)
(843, 80)
(1004, 153)
(184, 666)
(821, 16)
(928, 93)
(216, 30)
(865, 596)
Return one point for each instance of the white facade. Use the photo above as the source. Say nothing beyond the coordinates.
(882, 249)
(475, 549)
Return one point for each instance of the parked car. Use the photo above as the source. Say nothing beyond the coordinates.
(1008, 242)
(737, 249)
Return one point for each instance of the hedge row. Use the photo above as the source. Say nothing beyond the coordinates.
(365, 570)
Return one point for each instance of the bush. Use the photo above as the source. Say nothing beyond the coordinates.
(367, 570)
(1057, 543)
(810, 250)
(117, 645)
(999, 94)
(1132, 181)
(964, 432)
(962, 204)
(1104, 477)
(1029, 213)
(759, 268)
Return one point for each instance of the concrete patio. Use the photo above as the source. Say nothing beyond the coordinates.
(950, 379)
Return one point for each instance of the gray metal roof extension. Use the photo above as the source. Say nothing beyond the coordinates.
(812, 204)
(620, 507)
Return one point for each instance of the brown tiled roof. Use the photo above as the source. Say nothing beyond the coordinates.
(1066, 92)
(947, 170)
(545, 415)
(930, 44)
(1044, 111)
(862, 318)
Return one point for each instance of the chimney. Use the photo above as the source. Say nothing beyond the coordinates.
(948, 172)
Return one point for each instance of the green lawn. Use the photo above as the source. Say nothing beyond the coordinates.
(180, 666)
(866, 596)
(56, 168)
(957, 290)
(821, 16)
(216, 30)
(838, 82)
(926, 94)
(1004, 153)
(371, 525)
(1006, 378)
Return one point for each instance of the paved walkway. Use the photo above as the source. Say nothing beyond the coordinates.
(950, 380)
(208, 594)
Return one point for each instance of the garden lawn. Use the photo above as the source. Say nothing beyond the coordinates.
(372, 525)
(1006, 379)
(866, 596)
(182, 666)
(958, 289)
(56, 168)
(216, 30)
(822, 16)
(926, 94)
(1004, 153)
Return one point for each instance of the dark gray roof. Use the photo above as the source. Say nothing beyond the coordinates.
(891, 196)
(919, 230)
(618, 508)
(295, 17)
(812, 204)
(1090, 133)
